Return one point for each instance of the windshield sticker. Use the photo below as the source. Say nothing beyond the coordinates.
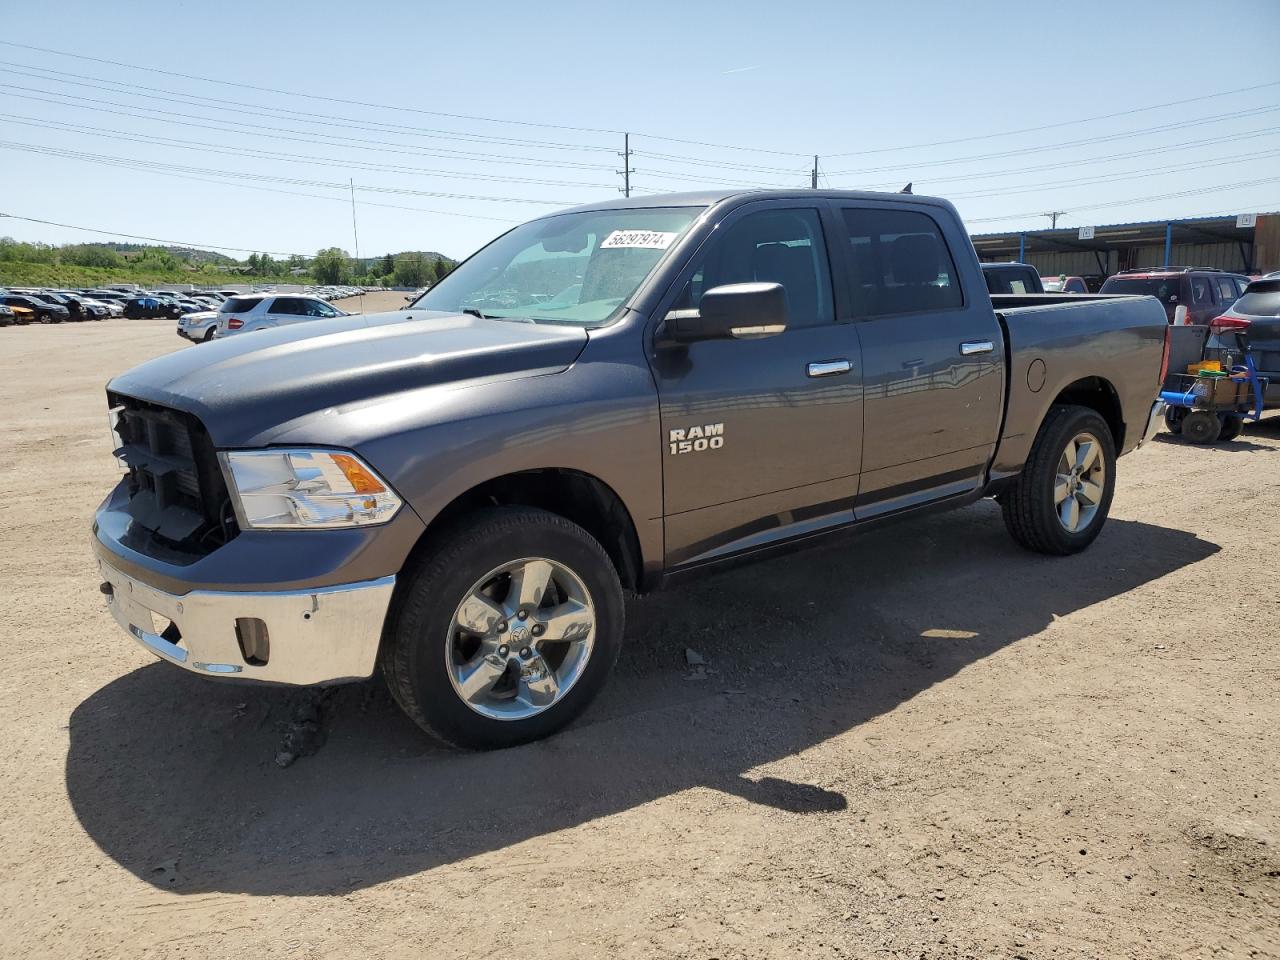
(646, 239)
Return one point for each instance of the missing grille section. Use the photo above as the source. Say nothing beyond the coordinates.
(176, 490)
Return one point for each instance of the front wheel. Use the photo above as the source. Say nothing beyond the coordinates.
(505, 630)
(1060, 501)
(1232, 427)
(208, 334)
(1173, 417)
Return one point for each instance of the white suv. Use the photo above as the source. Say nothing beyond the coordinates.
(241, 314)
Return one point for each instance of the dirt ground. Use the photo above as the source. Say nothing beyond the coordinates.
(923, 743)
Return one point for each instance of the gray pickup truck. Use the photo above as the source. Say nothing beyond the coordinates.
(600, 401)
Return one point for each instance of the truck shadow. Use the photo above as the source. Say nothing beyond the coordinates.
(173, 776)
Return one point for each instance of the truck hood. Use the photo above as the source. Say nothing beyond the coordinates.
(247, 387)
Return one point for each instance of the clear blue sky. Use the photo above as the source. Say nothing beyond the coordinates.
(775, 82)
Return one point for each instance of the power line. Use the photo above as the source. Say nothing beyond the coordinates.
(171, 243)
(1060, 123)
(263, 110)
(255, 153)
(130, 110)
(1179, 125)
(1199, 191)
(151, 164)
(384, 106)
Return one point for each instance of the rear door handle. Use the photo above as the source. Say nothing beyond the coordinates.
(829, 368)
(970, 347)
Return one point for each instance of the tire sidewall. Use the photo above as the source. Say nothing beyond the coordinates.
(425, 614)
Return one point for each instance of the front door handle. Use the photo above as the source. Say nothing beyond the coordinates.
(970, 347)
(829, 368)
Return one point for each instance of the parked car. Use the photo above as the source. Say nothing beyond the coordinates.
(199, 327)
(1256, 315)
(143, 308)
(1011, 278)
(83, 308)
(44, 312)
(21, 315)
(657, 387)
(1064, 284)
(7, 319)
(75, 310)
(1191, 295)
(261, 311)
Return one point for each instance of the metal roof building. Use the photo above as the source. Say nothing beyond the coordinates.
(1244, 243)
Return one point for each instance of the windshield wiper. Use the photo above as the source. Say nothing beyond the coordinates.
(473, 312)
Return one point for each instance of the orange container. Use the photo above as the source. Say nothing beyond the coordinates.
(1196, 368)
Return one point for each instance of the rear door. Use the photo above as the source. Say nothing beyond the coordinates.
(760, 438)
(932, 354)
(286, 310)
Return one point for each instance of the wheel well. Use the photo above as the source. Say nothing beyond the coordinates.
(578, 497)
(1099, 395)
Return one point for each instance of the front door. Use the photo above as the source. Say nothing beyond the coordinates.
(761, 438)
(932, 357)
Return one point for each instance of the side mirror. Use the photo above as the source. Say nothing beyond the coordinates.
(734, 311)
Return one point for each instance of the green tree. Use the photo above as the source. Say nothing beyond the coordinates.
(388, 265)
(331, 266)
(411, 271)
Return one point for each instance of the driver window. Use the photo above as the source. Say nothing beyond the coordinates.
(771, 246)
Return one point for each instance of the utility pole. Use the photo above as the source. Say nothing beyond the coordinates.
(626, 165)
(1053, 216)
(813, 181)
(355, 234)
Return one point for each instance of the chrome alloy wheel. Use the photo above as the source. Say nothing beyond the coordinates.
(1080, 481)
(520, 639)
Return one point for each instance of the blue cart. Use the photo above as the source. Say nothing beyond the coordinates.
(1205, 409)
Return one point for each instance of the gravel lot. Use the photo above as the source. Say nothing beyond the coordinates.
(925, 743)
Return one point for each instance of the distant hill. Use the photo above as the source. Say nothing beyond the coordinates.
(190, 254)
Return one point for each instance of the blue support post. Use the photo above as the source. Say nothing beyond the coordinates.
(1168, 244)
(1022, 248)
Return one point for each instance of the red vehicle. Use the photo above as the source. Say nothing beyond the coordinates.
(1205, 292)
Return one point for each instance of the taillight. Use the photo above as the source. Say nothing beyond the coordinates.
(1225, 324)
(235, 323)
(1164, 359)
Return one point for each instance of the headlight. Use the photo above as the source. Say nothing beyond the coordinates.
(306, 489)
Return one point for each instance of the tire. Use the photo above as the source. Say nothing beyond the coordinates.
(1034, 513)
(1201, 426)
(429, 656)
(208, 334)
(1232, 427)
(1173, 417)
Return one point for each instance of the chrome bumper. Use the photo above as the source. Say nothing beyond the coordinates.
(1154, 420)
(313, 636)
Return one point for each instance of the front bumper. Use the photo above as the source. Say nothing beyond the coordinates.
(313, 636)
(1154, 421)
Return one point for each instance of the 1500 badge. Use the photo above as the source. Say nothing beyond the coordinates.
(709, 436)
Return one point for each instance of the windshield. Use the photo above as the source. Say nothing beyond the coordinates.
(574, 268)
(1054, 285)
(1164, 289)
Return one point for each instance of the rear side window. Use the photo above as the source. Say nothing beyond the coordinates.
(901, 263)
(239, 305)
(288, 305)
(1227, 292)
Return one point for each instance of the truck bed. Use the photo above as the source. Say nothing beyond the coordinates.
(1050, 339)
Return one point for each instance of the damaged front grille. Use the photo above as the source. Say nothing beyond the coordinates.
(177, 494)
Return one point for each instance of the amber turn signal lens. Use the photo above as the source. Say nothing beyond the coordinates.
(361, 480)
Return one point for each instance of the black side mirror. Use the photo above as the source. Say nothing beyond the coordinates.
(734, 311)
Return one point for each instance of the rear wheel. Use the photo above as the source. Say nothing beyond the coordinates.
(1201, 426)
(1232, 427)
(505, 631)
(1060, 501)
(1173, 417)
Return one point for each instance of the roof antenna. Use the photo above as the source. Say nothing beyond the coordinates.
(906, 189)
